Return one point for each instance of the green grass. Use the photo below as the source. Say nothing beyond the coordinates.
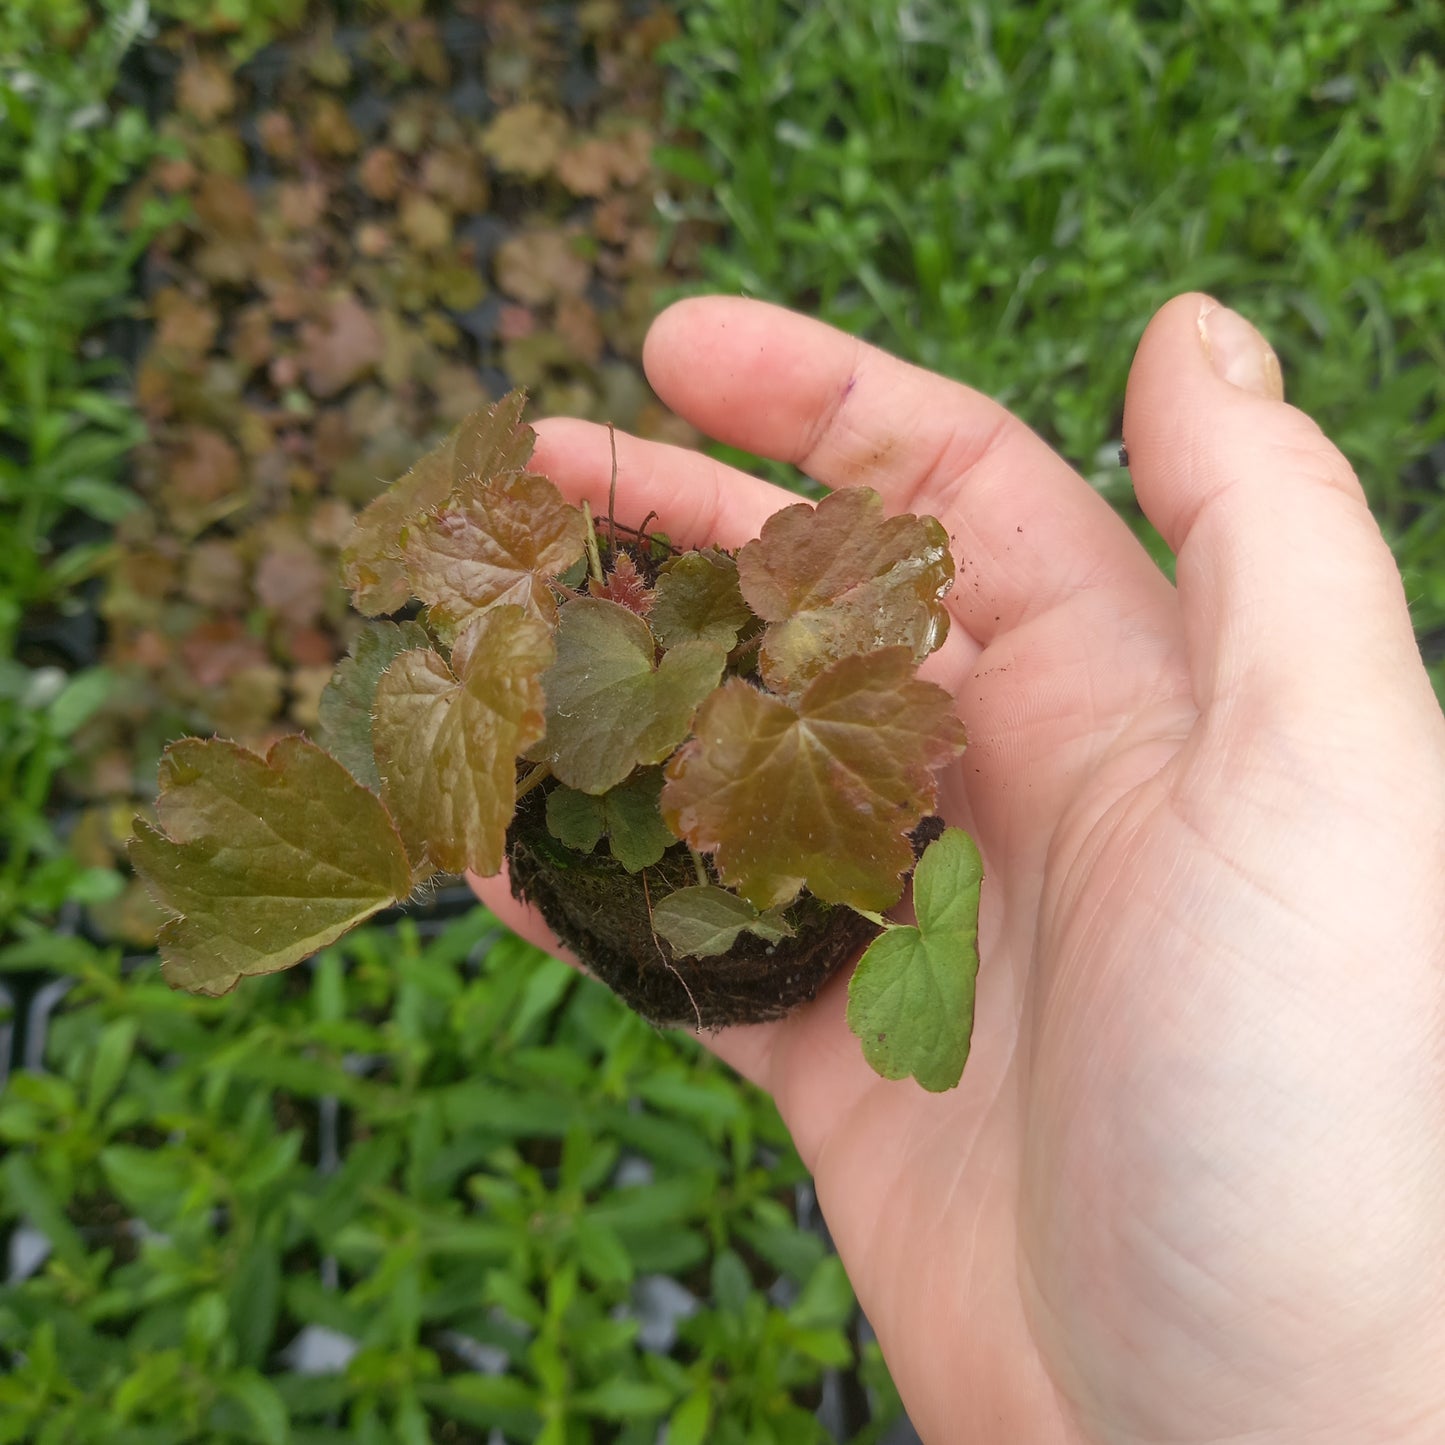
(1005, 193)
(67, 260)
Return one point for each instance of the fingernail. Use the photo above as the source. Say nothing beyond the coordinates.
(1239, 353)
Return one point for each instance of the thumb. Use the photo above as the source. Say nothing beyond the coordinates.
(1289, 594)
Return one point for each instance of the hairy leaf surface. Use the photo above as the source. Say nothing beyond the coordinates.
(697, 600)
(910, 1000)
(821, 792)
(344, 712)
(447, 747)
(625, 586)
(627, 814)
(487, 447)
(842, 578)
(609, 709)
(705, 920)
(265, 860)
(499, 545)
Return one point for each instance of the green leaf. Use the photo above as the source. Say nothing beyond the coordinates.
(697, 599)
(79, 700)
(253, 1296)
(609, 710)
(576, 820)
(113, 1050)
(622, 1399)
(261, 1401)
(500, 544)
(105, 501)
(689, 1423)
(150, 1182)
(828, 1347)
(841, 578)
(705, 920)
(488, 446)
(821, 792)
(28, 1193)
(344, 713)
(503, 1401)
(447, 747)
(636, 833)
(627, 814)
(265, 860)
(732, 1285)
(601, 1254)
(827, 1298)
(910, 1000)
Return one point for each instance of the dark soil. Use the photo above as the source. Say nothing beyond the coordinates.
(604, 915)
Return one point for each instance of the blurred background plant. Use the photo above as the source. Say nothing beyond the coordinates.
(67, 423)
(442, 1187)
(254, 257)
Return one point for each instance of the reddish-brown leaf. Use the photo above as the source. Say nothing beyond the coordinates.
(624, 586)
(292, 581)
(216, 651)
(381, 172)
(822, 792)
(538, 266)
(504, 542)
(525, 139)
(341, 347)
(205, 90)
(488, 447)
(447, 746)
(842, 578)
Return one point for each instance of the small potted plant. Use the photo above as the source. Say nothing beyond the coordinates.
(710, 772)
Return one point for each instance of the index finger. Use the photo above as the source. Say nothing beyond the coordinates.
(1028, 531)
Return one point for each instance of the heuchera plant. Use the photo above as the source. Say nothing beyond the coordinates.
(709, 772)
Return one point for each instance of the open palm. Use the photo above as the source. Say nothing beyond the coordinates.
(1192, 1187)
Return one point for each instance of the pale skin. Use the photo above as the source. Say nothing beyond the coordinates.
(1192, 1186)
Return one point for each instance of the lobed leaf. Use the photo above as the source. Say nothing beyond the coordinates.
(447, 746)
(704, 920)
(697, 599)
(624, 585)
(626, 815)
(263, 860)
(487, 447)
(344, 712)
(609, 709)
(911, 998)
(821, 792)
(500, 545)
(842, 578)
(576, 820)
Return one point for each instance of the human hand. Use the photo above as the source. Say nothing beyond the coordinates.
(1192, 1186)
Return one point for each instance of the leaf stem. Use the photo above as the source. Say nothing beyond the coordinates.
(594, 558)
(872, 917)
(699, 867)
(537, 776)
(612, 491)
(741, 651)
